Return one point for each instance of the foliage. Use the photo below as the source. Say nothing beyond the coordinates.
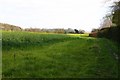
(108, 30)
(112, 33)
(93, 34)
(95, 30)
(8, 27)
(116, 13)
(57, 30)
(81, 31)
(76, 31)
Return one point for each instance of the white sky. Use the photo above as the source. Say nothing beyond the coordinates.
(80, 14)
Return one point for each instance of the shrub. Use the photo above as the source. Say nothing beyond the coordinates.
(93, 34)
(112, 33)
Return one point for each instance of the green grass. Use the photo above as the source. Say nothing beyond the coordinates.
(38, 55)
(0, 54)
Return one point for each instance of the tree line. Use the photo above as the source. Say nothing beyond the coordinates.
(8, 27)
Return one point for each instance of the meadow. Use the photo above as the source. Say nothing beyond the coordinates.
(42, 55)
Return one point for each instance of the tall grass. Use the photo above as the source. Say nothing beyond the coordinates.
(34, 55)
(26, 39)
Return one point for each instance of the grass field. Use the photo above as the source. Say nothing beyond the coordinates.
(35, 55)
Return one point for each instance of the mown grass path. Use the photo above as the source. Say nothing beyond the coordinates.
(65, 57)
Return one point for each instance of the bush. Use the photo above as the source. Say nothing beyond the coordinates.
(93, 34)
(112, 33)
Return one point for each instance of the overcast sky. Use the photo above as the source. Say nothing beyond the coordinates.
(80, 14)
